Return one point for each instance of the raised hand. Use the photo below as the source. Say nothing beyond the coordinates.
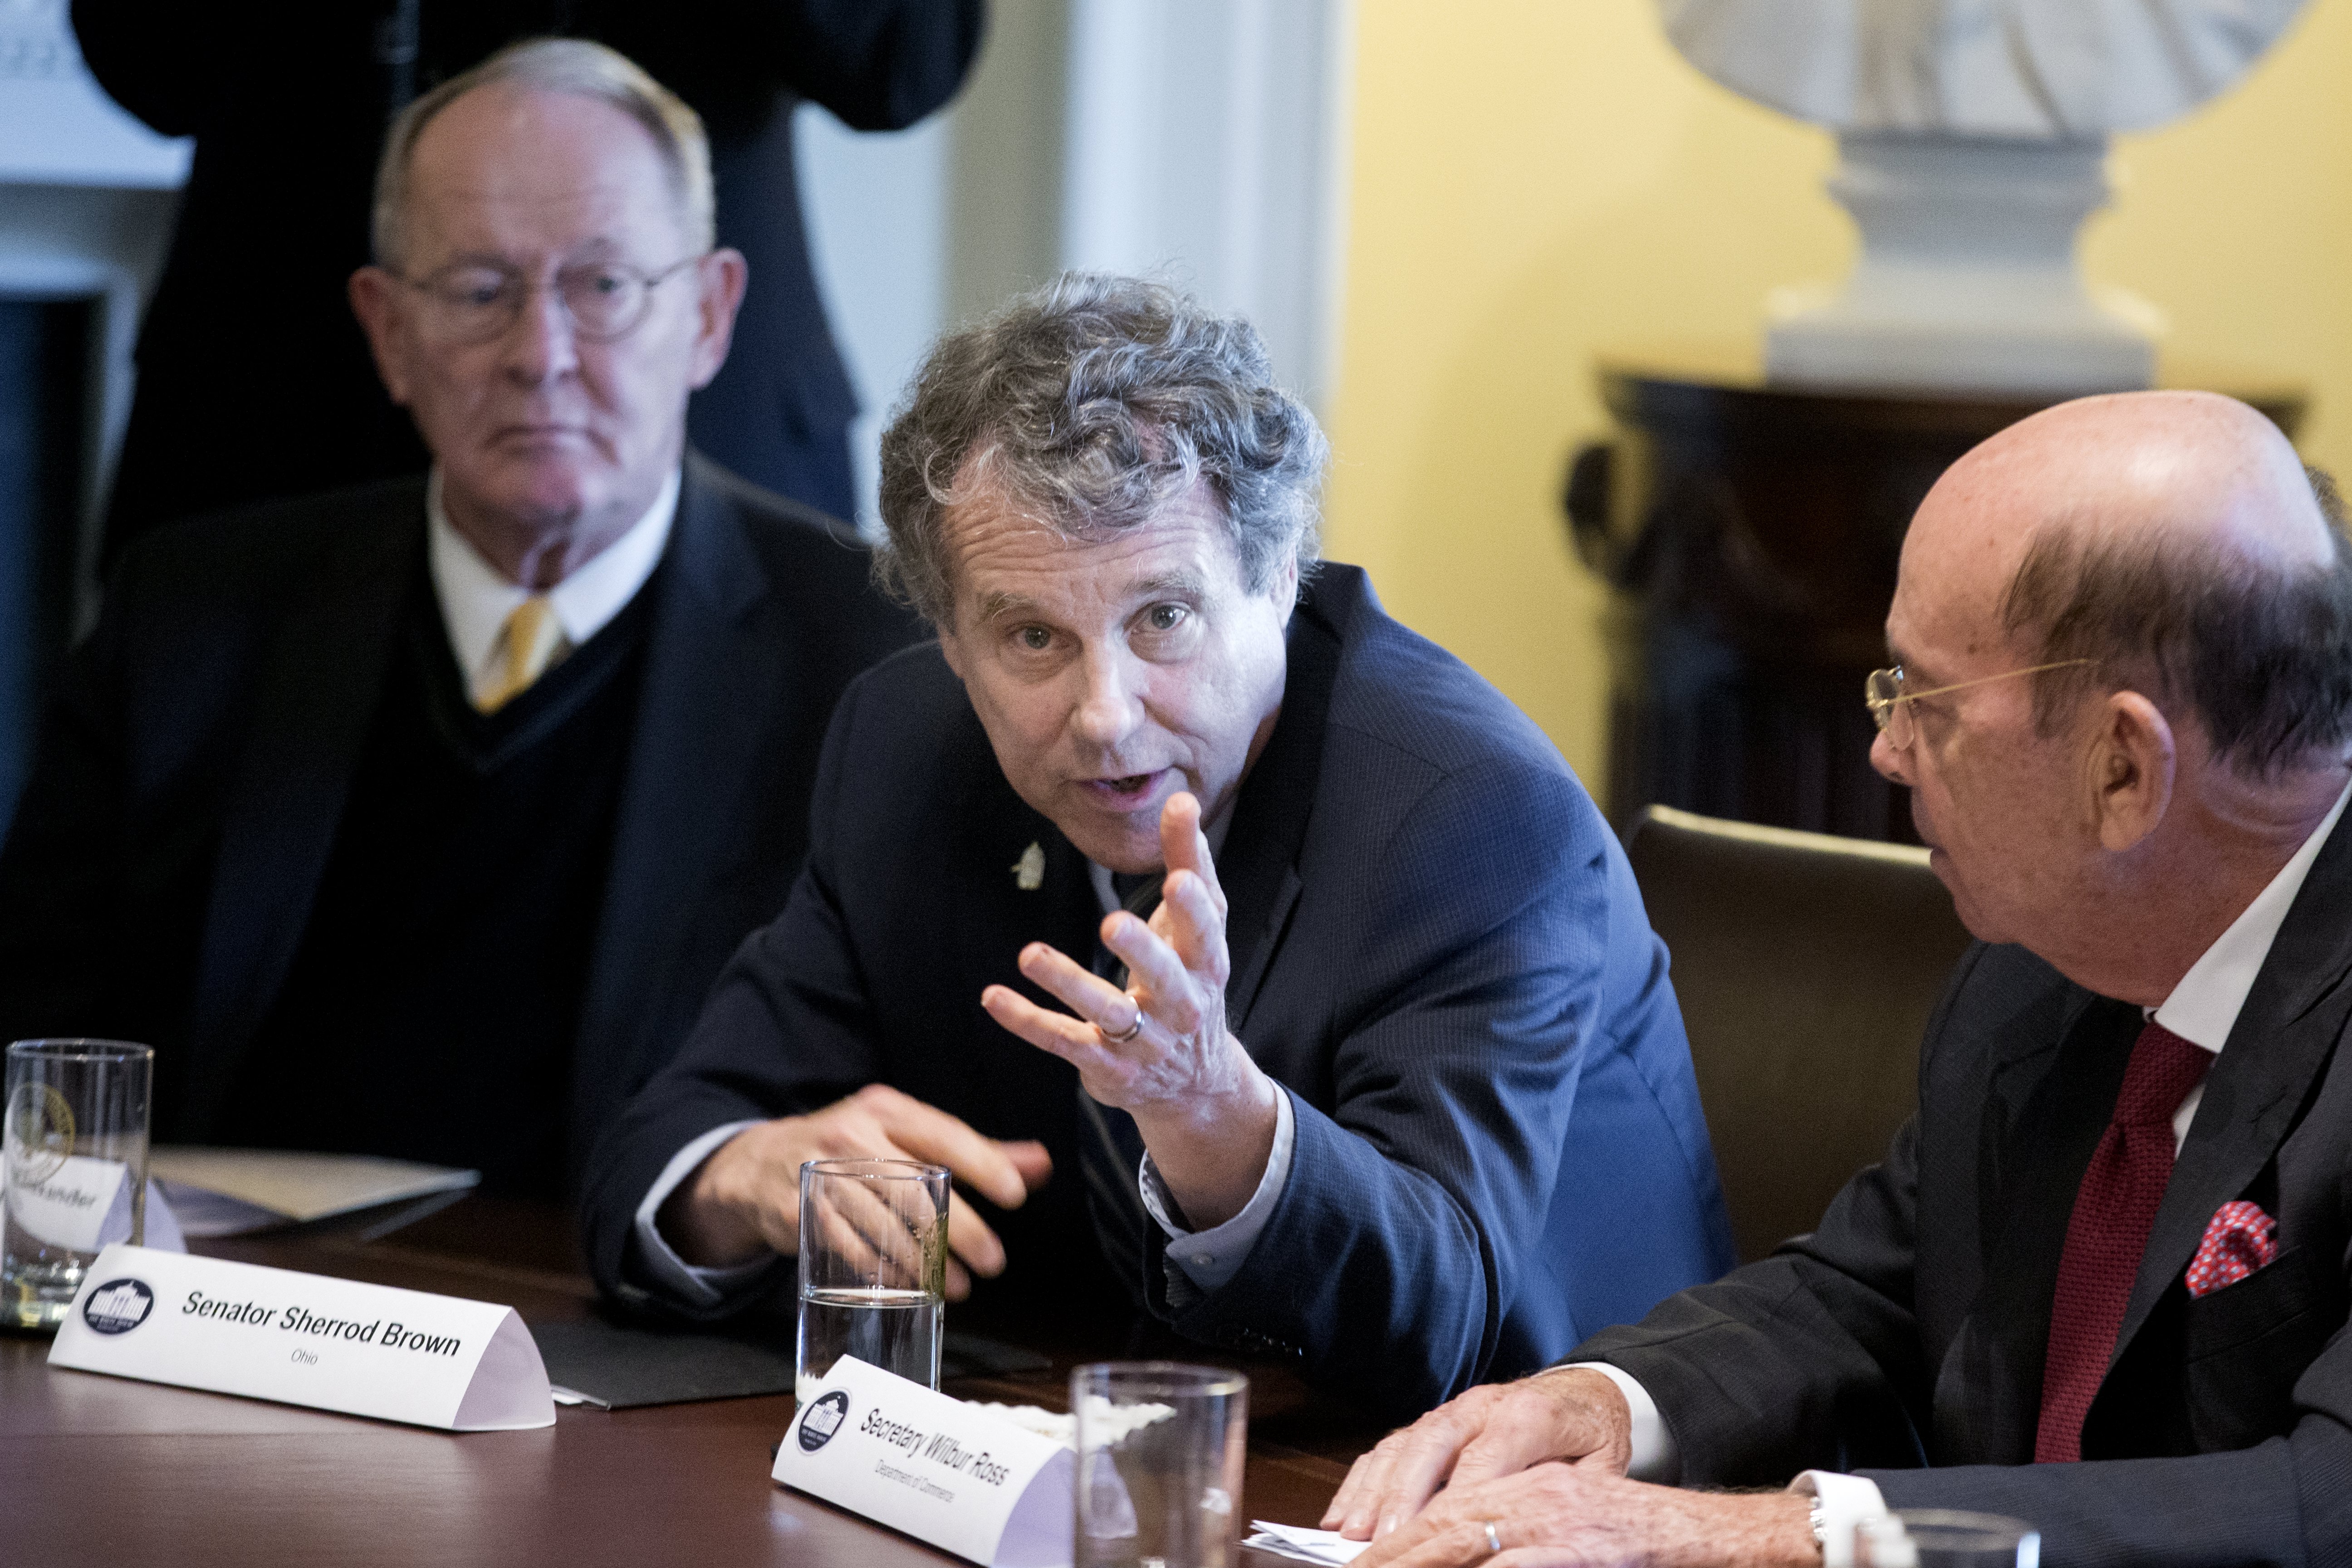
(1160, 1050)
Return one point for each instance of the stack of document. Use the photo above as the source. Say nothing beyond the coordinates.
(229, 1191)
(1303, 1546)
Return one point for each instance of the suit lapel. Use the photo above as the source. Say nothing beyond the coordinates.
(2284, 1035)
(1000, 898)
(712, 691)
(2050, 1113)
(319, 688)
(1012, 896)
(1259, 867)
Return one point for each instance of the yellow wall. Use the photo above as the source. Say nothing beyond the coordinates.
(1535, 179)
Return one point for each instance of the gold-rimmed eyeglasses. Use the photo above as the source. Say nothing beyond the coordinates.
(1890, 704)
(475, 302)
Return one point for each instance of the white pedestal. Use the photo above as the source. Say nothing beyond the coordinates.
(1968, 281)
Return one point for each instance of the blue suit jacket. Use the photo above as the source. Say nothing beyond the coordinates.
(1437, 948)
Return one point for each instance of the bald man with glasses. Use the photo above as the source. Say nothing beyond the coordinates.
(415, 820)
(2099, 1283)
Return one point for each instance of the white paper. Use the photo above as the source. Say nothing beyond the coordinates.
(1325, 1546)
(162, 1228)
(164, 1232)
(210, 1213)
(82, 1204)
(305, 1338)
(1115, 1422)
(228, 1191)
(938, 1468)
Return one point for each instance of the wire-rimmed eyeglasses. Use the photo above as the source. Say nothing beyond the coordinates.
(475, 302)
(1890, 705)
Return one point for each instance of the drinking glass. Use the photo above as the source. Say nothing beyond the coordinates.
(74, 1159)
(1160, 1464)
(874, 1268)
(1947, 1538)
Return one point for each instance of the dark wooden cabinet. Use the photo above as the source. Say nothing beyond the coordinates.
(1750, 536)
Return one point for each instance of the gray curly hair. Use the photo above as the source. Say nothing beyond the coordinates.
(1094, 401)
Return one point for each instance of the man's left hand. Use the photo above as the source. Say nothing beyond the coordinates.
(1569, 1516)
(1160, 1050)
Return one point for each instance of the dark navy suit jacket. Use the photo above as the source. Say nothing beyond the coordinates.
(1437, 948)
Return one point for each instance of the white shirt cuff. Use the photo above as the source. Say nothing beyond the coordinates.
(702, 1286)
(1654, 1457)
(1210, 1259)
(1848, 1502)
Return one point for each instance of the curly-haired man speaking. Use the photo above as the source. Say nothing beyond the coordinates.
(1288, 944)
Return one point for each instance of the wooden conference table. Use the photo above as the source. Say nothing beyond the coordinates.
(103, 1470)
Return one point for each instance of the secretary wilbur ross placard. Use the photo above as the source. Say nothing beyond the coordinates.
(939, 1469)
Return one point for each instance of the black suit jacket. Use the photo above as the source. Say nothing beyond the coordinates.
(254, 379)
(1909, 1330)
(157, 879)
(1438, 947)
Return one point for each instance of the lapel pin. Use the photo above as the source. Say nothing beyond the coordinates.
(1029, 871)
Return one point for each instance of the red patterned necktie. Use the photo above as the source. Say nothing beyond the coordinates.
(2114, 1210)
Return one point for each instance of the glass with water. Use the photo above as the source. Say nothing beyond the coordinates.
(73, 1157)
(1161, 1445)
(873, 1268)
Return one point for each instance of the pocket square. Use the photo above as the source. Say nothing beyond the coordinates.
(2240, 1239)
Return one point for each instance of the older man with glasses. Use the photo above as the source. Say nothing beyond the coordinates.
(2099, 1283)
(415, 820)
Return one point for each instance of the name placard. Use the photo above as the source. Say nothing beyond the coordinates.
(304, 1339)
(78, 1202)
(933, 1467)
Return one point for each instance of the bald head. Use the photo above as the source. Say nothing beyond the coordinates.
(2190, 469)
(563, 68)
(2170, 541)
(2128, 623)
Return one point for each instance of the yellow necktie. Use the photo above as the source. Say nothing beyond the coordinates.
(527, 645)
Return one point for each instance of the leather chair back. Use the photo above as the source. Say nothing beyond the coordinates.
(1806, 967)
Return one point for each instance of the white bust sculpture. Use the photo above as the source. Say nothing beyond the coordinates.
(1972, 135)
(2053, 70)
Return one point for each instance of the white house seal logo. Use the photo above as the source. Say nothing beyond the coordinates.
(823, 1419)
(118, 1305)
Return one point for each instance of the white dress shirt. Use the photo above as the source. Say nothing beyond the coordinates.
(2201, 1009)
(477, 598)
(1207, 1259)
